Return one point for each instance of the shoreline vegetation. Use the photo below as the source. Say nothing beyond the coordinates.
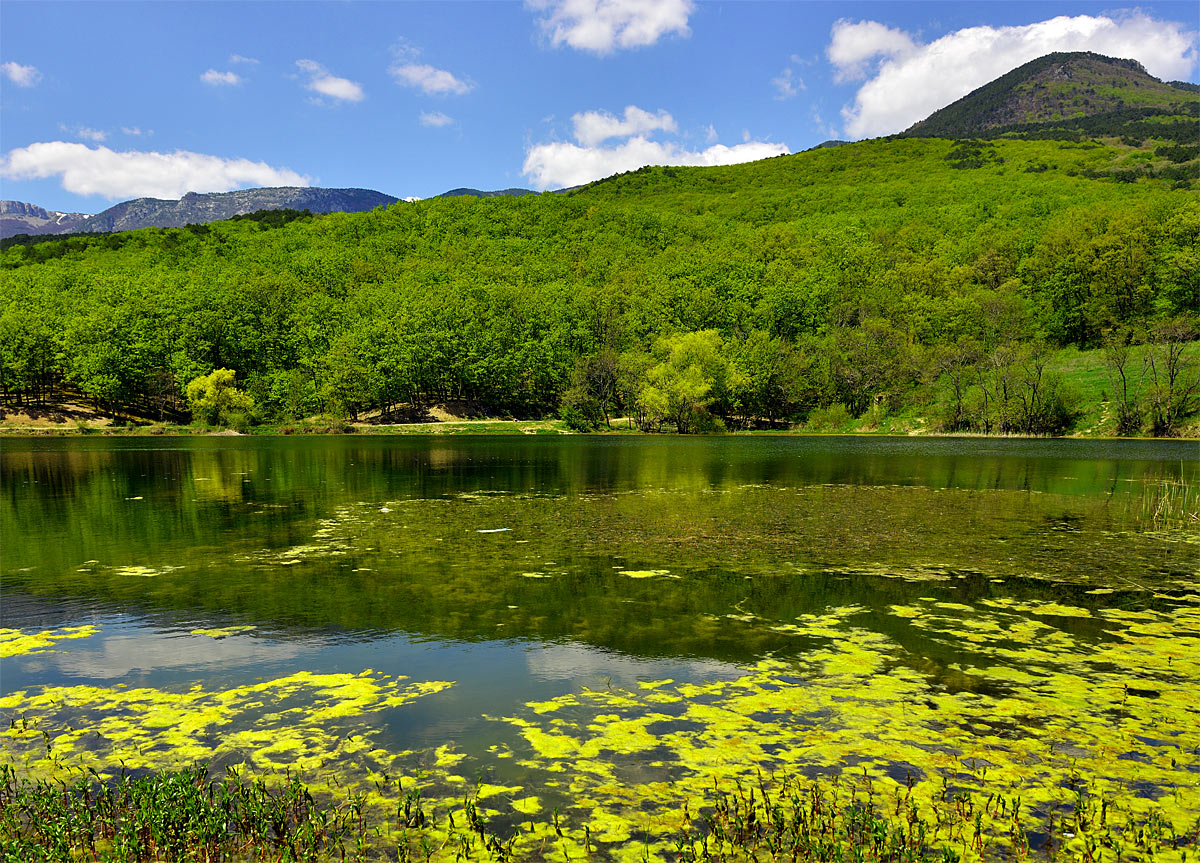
(1034, 287)
(191, 814)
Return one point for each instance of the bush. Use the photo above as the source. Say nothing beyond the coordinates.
(576, 419)
(831, 418)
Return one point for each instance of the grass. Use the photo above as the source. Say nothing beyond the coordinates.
(186, 816)
(1169, 504)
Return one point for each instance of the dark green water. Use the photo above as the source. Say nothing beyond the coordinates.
(524, 569)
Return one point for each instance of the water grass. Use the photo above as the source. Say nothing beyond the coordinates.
(187, 816)
(1164, 503)
(1172, 504)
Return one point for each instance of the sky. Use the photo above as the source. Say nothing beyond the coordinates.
(103, 101)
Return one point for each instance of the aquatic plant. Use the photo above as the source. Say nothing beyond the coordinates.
(185, 815)
(178, 816)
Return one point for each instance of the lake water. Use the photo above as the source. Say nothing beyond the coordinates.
(607, 625)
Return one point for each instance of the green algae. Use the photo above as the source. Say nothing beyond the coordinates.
(16, 642)
(1042, 709)
(284, 722)
(223, 631)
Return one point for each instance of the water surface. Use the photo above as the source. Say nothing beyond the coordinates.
(606, 624)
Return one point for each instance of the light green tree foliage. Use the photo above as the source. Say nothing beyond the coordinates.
(689, 376)
(215, 400)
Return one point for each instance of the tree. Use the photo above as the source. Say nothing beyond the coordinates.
(955, 363)
(686, 380)
(1125, 379)
(1174, 378)
(214, 399)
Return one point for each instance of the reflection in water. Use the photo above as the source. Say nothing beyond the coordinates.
(652, 613)
(118, 655)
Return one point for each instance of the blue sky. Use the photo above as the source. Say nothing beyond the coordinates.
(101, 102)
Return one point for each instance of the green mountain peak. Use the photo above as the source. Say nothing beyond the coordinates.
(1080, 91)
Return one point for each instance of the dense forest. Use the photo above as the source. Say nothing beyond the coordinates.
(850, 279)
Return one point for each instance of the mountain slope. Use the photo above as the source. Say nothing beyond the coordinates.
(1059, 91)
(192, 209)
(476, 193)
(17, 217)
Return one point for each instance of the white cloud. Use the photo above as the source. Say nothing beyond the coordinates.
(434, 81)
(87, 134)
(562, 164)
(320, 81)
(434, 119)
(602, 26)
(238, 58)
(131, 174)
(788, 84)
(221, 79)
(22, 76)
(853, 46)
(908, 81)
(596, 127)
(136, 131)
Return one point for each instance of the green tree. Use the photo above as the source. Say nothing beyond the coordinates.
(689, 376)
(214, 399)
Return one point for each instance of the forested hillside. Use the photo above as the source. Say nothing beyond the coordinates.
(862, 276)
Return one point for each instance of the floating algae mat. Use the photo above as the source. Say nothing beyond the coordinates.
(622, 648)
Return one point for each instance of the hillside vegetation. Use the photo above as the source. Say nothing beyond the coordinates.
(1068, 96)
(871, 277)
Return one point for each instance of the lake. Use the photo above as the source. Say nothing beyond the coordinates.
(600, 628)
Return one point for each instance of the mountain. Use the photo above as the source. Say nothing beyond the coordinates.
(476, 193)
(17, 217)
(1080, 92)
(193, 208)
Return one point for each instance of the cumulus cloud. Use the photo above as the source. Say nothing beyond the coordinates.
(115, 175)
(136, 131)
(87, 134)
(322, 82)
(787, 85)
(434, 119)
(596, 127)
(853, 46)
(907, 81)
(433, 81)
(22, 76)
(221, 79)
(602, 26)
(238, 58)
(562, 164)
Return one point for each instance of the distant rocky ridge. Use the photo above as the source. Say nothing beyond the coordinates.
(476, 193)
(17, 217)
(192, 209)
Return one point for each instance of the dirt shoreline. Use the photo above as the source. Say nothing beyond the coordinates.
(71, 419)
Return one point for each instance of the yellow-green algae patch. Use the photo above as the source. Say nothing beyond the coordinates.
(1036, 712)
(16, 642)
(222, 632)
(285, 722)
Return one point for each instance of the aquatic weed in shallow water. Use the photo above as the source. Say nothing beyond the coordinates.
(186, 816)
